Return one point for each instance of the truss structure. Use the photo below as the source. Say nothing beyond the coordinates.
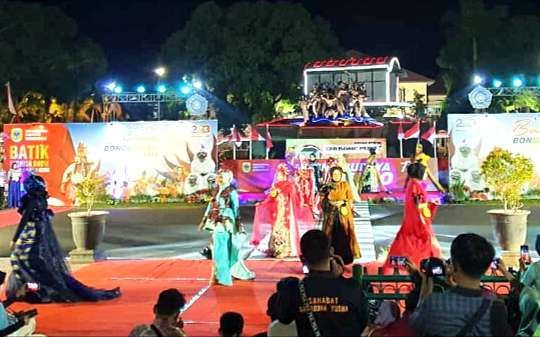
(133, 97)
(512, 91)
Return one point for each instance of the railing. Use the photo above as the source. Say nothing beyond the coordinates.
(396, 287)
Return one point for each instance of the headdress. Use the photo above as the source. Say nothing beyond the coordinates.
(34, 183)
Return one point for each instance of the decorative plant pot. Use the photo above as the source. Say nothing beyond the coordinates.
(88, 231)
(509, 228)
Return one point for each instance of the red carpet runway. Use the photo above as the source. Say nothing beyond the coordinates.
(142, 280)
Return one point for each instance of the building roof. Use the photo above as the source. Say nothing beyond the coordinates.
(409, 76)
(438, 87)
(354, 59)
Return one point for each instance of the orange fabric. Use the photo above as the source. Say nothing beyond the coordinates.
(341, 192)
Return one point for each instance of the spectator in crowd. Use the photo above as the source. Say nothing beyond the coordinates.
(167, 321)
(18, 324)
(329, 304)
(231, 324)
(283, 308)
(465, 309)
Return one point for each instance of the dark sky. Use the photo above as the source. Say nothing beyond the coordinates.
(132, 31)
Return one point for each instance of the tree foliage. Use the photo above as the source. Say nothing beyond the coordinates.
(507, 174)
(42, 51)
(252, 54)
(504, 44)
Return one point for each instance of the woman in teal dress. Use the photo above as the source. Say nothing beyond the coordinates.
(228, 236)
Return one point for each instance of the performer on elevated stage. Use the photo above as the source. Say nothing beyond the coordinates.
(370, 179)
(338, 221)
(415, 238)
(228, 235)
(422, 158)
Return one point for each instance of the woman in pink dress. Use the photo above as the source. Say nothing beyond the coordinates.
(415, 238)
(283, 216)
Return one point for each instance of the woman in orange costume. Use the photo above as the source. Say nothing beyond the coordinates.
(338, 221)
(415, 238)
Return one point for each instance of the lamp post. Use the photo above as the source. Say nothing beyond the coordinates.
(160, 72)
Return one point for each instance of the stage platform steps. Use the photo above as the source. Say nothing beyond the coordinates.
(364, 232)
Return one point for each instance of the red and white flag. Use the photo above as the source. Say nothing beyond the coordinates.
(413, 132)
(429, 134)
(11, 107)
(400, 134)
(254, 134)
(269, 143)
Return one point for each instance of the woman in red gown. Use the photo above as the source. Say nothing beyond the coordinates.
(415, 238)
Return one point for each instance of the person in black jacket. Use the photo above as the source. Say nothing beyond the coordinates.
(333, 305)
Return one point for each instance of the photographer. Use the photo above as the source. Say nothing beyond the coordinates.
(167, 321)
(466, 309)
(328, 303)
(16, 324)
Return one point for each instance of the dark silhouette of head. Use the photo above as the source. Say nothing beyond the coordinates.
(471, 254)
(416, 170)
(169, 303)
(231, 324)
(315, 247)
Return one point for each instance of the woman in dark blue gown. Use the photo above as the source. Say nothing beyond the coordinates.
(37, 257)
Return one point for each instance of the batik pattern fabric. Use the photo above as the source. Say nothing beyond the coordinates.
(38, 258)
(228, 238)
(284, 217)
(338, 220)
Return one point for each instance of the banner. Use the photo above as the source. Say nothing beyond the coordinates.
(473, 136)
(134, 158)
(354, 148)
(255, 177)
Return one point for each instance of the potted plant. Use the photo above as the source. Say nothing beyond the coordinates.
(88, 226)
(507, 174)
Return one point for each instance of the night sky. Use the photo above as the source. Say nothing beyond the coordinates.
(132, 31)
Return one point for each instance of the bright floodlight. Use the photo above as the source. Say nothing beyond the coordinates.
(161, 88)
(478, 79)
(517, 82)
(118, 89)
(185, 89)
(141, 89)
(497, 83)
(160, 71)
(197, 84)
(110, 86)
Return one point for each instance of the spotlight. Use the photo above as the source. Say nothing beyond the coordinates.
(517, 82)
(185, 89)
(117, 89)
(477, 79)
(160, 71)
(497, 83)
(110, 86)
(141, 89)
(161, 88)
(197, 84)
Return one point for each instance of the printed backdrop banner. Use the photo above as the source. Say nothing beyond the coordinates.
(473, 136)
(255, 177)
(354, 148)
(135, 158)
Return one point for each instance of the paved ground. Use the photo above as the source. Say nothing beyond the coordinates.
(172, 232)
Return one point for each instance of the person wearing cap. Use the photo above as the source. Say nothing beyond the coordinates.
(167, 321)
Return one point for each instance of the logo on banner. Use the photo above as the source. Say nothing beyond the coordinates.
(16, 135)
(246, 167)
